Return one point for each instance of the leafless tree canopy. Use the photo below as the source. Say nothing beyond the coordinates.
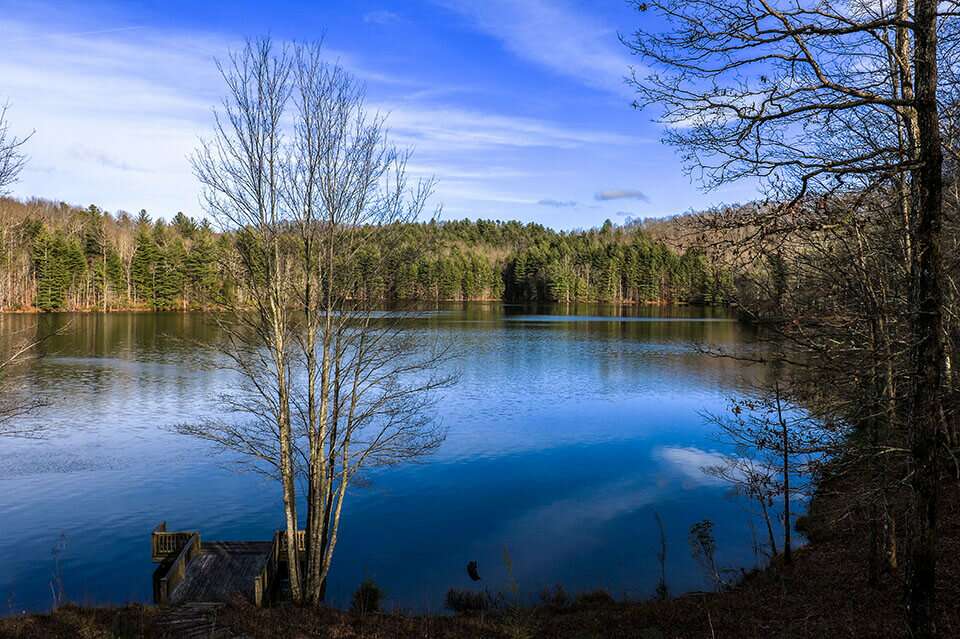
(15, 403)
(12, 159)
(845, 112)
(779, 448)
(330, 385)
(770, 89)
(17, 399)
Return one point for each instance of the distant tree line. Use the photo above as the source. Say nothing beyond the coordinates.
(55, 257)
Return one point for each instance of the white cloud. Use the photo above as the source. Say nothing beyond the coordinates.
(381, 17)
(446, 128)
(455, 172)
(483, 193)
(689, 462)
(557, 204)
(621, 194)
(118, 110)
(85, 154)
(579, 517)
(553, 35)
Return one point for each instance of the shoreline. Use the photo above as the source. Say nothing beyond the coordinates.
(825, 591)
(214, 309)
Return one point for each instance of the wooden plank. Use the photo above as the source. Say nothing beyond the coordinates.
(222, 571)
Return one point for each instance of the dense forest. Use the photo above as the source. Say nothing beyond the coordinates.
(58, 257)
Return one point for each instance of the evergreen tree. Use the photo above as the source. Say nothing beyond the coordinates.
(77, 264)
(95, 253)
(201, 269)
(168, 275)
(184, 225)
(144, 266)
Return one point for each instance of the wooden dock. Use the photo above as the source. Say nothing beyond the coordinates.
(193, 571)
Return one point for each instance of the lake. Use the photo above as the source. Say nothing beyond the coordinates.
(568, 431)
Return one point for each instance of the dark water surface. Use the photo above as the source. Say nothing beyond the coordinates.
(567, 431)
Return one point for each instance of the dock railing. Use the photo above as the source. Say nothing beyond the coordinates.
(263, 584)
(281, 535)
(164, 544)
(168, 576)
(174, 550)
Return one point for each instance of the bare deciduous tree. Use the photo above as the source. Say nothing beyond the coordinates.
(14, 404)
(241, 170)
(778, 447)
(823, 101)
(15, 401)
(12, 159)
(17, 398)
(331, 385)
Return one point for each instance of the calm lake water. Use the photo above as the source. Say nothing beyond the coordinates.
(567, 432)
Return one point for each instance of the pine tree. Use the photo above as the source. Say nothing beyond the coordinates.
(95, 254)
(43, 257)
(168, 275)
(201, 269)
(57, 263)
(184, 225)
(144, 265)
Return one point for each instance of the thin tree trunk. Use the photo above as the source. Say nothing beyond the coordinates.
(289, 491)
(928, 347)
(766, 520)
(286, 437)
(785, 442)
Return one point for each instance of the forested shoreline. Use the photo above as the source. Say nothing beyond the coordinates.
(57, 257)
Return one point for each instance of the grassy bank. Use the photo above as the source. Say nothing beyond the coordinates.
(825, 593)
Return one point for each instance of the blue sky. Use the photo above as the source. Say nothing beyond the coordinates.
(517, 107)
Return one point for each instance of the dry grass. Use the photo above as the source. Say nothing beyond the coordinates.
(70, 622)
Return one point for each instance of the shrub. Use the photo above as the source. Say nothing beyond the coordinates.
(466, 601)
(597, 597)
(366, 599)
(555, 597)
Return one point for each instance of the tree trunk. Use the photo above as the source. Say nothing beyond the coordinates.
(772, 539)
(785, 443)
(287, 469)
(320, 507)
(289, 490)
(928, 341)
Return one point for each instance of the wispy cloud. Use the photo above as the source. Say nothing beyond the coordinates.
(73, 34)
(557, 204)
(621, 194)
(480, 193)
(85, 154)
(554, 35)
(117, 112)
(580, 516)
(455, 172)
(381, 17)
(460, 128)
(118, 109)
